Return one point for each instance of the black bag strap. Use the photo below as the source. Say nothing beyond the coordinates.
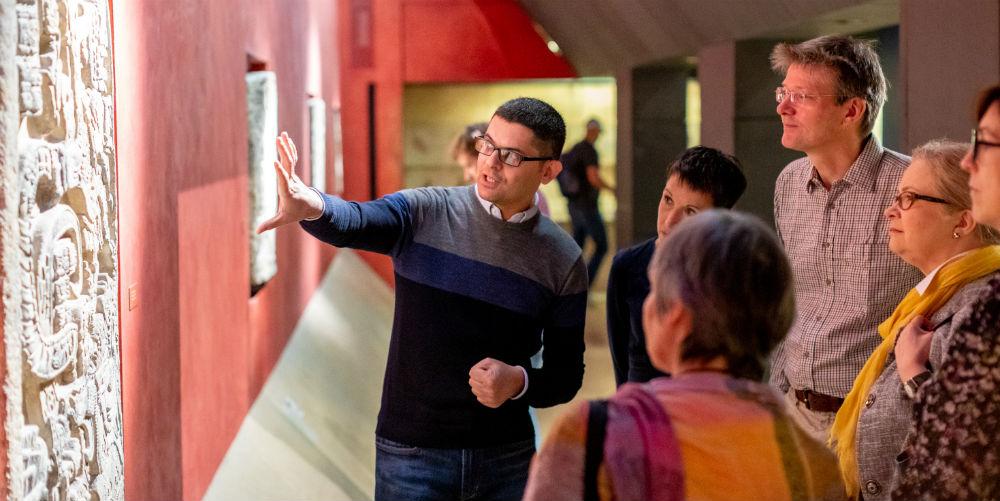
(597, 421)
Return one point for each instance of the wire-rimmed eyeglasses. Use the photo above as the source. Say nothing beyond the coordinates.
(797, 97)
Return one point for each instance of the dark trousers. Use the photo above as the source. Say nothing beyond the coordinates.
(587, 222)
(403, 472)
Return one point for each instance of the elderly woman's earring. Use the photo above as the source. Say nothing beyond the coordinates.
(954, 234)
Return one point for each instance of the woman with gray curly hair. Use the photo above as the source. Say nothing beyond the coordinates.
(720, 300)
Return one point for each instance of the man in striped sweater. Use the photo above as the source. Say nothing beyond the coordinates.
(480, 275)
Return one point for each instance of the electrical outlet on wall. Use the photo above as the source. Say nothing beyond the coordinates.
(133, 297)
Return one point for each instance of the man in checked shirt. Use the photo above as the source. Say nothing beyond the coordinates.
(828, 212)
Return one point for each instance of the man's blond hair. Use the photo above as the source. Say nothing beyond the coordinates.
(854, 61)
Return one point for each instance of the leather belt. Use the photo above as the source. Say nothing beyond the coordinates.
(817, 401)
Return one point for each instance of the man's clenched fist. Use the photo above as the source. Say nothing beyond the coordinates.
(494, 382)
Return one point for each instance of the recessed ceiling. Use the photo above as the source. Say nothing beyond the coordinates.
(600, 37)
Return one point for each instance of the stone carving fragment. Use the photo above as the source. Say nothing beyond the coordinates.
(338, 153)
(262, 118)
(59, 249)
(317, 143)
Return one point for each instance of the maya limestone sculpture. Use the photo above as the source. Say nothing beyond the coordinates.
(59, 223)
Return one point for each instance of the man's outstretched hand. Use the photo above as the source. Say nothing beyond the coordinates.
(295, 200)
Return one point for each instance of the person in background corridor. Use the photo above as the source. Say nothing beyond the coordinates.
(463, 150)
(828, 213)
(479, 275)
(720, 299)
(581, 184)
(699, 179)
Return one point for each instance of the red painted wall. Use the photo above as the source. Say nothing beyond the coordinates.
(423, 41)
(474, 41)
(197, 348)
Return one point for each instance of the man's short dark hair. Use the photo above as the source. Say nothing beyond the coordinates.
(711, 171)
(541, 118)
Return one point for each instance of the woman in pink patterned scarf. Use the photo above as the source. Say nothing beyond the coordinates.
(720, 300)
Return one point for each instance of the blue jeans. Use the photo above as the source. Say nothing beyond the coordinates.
(405, 473)
(588, 222)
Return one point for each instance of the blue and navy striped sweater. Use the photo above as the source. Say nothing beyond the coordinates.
(468, 286)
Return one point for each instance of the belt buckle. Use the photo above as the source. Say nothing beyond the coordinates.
(807, 398)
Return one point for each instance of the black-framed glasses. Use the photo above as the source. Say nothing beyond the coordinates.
(794, 97)
(976, 143)
(508, 156)
(905, 199)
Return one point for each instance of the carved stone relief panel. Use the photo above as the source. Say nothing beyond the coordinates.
(338, 153)
(262, 122)
(63, 385)
(317, 143)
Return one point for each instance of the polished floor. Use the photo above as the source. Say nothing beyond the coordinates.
(310, 434)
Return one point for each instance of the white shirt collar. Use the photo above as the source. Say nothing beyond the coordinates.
(926, 282)
(520, 217)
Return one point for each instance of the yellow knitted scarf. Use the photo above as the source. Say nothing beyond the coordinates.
(948, 280)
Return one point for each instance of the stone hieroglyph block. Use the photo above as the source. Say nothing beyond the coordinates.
(338, 152)
(59, 218)
(262, 121)
(317, 143)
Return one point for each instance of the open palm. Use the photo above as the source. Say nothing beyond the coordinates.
(295, 200)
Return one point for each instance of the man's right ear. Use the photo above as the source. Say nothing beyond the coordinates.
(550, 170)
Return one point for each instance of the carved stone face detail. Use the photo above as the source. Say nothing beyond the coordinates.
(61, 299)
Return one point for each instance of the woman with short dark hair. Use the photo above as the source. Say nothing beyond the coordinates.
(720, 300)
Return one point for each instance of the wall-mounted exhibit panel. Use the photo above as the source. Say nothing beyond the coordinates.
(262, 122)
(60, 252)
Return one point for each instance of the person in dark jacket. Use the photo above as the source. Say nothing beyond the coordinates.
(700, 178)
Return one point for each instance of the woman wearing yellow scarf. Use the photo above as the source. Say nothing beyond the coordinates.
(930, 227)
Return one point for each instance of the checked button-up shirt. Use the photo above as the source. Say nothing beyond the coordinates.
(847, 281)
